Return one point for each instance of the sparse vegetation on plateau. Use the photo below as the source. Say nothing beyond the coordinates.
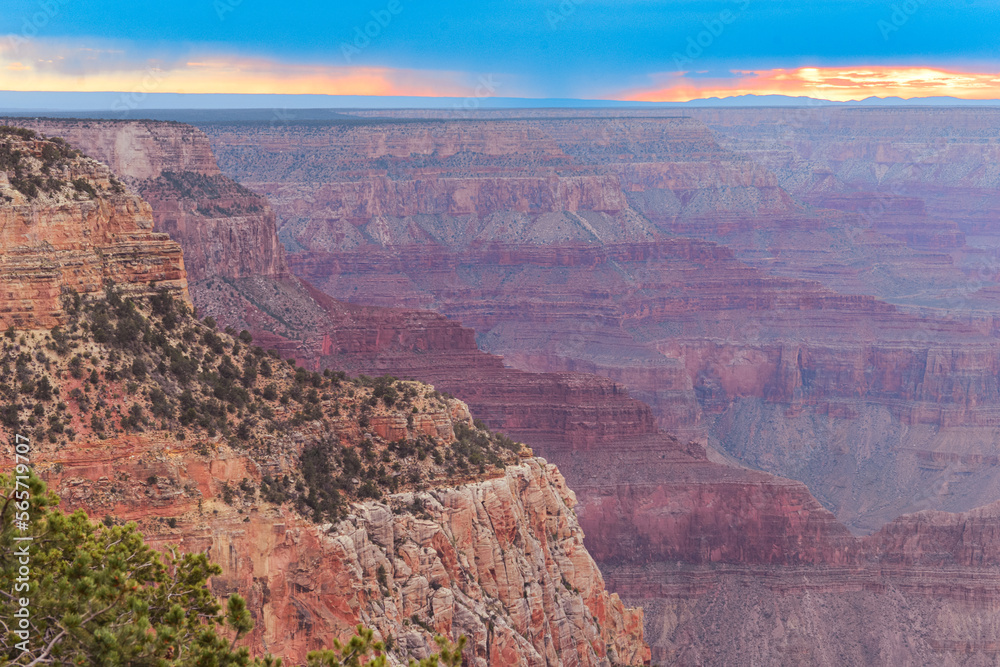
(120, 366)
(37, 165)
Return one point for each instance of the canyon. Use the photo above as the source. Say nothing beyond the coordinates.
(496, 554)
(226, 228)
(844, 339)
(525, 231)
(67, 237)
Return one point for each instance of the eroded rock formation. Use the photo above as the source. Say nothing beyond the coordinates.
(225, 229)
(67, 226)
(501, 561)
(165, 422)
(731, 565)
(745, 304)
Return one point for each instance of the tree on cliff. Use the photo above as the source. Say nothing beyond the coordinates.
(82, 593)
(99, 595)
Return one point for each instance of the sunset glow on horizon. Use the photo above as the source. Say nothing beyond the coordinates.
(71, 66)
(69, 72)
(535, 49)
(838, 84)
(240, 75)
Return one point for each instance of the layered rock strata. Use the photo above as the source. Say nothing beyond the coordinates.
(683, 269)
(921, 591)
(501, 561)
(496, 555)
(68, 227)
(728, 562)
(224, 228)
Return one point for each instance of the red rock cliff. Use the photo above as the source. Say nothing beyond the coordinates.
(766, 310)
(225, 229)
(498, 557)
(66, 225)
(728, 562)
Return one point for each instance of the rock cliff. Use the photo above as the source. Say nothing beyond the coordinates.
(472, 539)
(727, 562)
(327, 501)
(743, 305)
(68, 226)
(501, 561)
(224, 229)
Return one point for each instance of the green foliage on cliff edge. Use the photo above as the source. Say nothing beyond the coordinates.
(120, 366)
(30, 167)
(99, 595)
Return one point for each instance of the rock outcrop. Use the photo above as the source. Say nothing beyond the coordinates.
(501, 561)
(727, 562)
(142, 413)
(745, 306)
(68, 227)
(224, 229)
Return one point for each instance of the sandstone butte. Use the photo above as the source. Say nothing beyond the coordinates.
(228, 229)
(498, 557)
(732, 566)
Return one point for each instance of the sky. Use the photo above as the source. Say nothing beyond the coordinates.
(634, 50)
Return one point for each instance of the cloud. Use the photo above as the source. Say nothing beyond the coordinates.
(831, 83)
(44, 65)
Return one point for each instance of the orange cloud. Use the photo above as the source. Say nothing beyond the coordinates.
(841, 84)
(100, 73)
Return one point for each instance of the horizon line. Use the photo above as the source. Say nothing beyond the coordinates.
(125, 102)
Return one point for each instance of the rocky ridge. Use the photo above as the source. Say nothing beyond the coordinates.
(705, 545)
(458, 518)
(731, 304)
(293, 480)
(67, 224)
(225, 229)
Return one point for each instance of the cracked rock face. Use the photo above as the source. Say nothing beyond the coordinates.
(501, 561)
(727, 562)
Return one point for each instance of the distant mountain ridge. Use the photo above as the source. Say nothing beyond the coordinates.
(124, 105)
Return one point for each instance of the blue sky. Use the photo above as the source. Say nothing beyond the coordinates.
(567, 48)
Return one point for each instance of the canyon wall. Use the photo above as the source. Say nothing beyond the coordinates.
(731, 565)
(225, 229)
(67, 226)
(501, 561)
(921, 591)
(496, 554)
(925, 177)
(803, 336)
